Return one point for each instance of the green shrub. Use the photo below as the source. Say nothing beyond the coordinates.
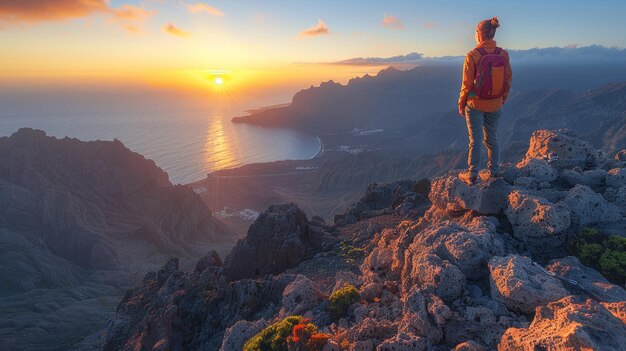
(340, 300)
(293, 333)
(350, 253)
(605, 253)
(274, 337)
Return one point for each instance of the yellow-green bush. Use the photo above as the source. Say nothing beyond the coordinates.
(293, 333)
(605, 253)
(340, 300)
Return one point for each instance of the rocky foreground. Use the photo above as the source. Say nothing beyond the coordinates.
(438, 265)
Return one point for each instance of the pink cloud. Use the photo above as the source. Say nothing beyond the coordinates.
(46, 10)
(319, 29)
(202, 7)
(393, 22)
(173, 30)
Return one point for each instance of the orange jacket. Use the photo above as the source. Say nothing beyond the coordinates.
(466, 96)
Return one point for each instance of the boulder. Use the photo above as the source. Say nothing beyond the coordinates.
(403, 342)
(300, 296)
(591, 207)
(451, 194)
(562, 149)
(572, 323)
(436, 276)
(538, 169)
(277, 240)
(594, 178)
(591, 281)
(616, 177)
(536, 221)
(469, 345)
(239, 333)
(522, 286)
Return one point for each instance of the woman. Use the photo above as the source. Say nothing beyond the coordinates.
(487, 79)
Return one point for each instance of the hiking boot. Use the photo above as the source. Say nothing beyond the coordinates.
(468, 177)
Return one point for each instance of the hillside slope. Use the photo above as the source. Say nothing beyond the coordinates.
(78, 221)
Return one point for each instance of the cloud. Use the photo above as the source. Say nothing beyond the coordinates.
(202, 7)
(173, 30)
(130, 12)
(319, 29)
(365, 61)
(33, 11)
(130, 17)
(393, 22)
(46, 10)
(429, 25)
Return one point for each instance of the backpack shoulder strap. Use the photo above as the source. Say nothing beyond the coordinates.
(498, 51)
(482, 51)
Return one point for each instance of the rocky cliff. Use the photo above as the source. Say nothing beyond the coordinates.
(438, 265)
(77, 221)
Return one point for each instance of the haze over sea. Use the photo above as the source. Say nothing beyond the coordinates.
(187, 140)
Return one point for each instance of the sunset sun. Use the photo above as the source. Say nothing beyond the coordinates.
(219, 80)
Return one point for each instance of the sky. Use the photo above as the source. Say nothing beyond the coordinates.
(259, 44)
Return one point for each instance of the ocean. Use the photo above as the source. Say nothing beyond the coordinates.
(187, 143)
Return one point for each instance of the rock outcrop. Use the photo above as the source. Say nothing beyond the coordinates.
(279, 239)
(483, 268)
(522, 286)
(571, 323)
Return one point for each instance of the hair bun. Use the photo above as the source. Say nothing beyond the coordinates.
(494, 22)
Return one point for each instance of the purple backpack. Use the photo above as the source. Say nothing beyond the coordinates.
(490, 74)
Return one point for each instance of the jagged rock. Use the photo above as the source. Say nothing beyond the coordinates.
(403, 342)
(591, 207)
(617, 309)
(571, 323)
(594, 178)
(536, 221)
(237, 335)
(510, 173)
(562, 149)
(436, 276)
(277, 240)
(415, 316)
(379, 197)
(299, 296)
(438, 310)
(522, 286)
(538, 169)
(451, 194)
(469, 345)
(620, 155)
(371, 329)
(616, 177)
(591, 281)
(474, 323)
(210, 261)
(468, 247)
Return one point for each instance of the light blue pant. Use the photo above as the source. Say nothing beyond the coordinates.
(482, 127)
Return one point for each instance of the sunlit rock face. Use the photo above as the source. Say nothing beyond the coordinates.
(484, 267)
(572, 323)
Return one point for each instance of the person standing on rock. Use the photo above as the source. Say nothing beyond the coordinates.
(487, 79)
